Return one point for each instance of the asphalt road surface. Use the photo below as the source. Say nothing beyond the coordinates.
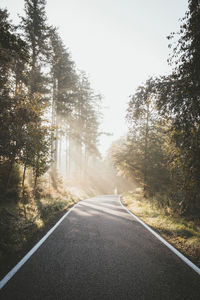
(100, 251)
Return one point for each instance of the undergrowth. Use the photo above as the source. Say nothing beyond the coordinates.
(23, 221)
(182, 232)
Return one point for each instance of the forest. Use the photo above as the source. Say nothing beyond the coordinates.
(50, 119)
(162, 149)
(46, 102)
(50, 128)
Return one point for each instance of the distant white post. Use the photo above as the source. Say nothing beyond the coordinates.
(115, 191)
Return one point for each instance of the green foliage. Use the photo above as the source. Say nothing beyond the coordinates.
(35, 30)
(38, 78)
(13, 191)
(85, 119)
(178, 100)
(14, 53)
(13, 113)
(142, 155)
(163, 144)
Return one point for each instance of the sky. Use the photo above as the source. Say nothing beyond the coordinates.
(118, 43)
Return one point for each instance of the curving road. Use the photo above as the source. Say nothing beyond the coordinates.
(99, 251)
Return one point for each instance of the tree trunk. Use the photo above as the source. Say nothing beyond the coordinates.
(23, 179)
(54, 138)
(35, 185)
(35, 178)
(55, 162)
(60, 153)
(146, 148)
(66, 155)
(69, 157)
(85, 163)
(9, 175)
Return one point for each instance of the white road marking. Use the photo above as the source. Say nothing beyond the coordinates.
(33, 250)
(174, 250)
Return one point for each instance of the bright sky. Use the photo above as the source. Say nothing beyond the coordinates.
(119, 43)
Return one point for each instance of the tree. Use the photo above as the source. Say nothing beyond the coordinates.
(142, 156)
(34, 66)
(63, 81)
(145, 129)
(36, 34)
(13, 111)
(179, 101)
(84, 124)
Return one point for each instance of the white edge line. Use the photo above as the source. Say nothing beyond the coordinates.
(174, 250)
(33, 250)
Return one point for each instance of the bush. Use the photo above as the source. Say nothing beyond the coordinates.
(9, 191)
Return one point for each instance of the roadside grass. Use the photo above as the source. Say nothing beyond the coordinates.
(23, 224)
(183, 233)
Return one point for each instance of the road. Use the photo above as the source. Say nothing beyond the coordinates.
(100, 251)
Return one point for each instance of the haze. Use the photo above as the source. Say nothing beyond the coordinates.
(119, 43)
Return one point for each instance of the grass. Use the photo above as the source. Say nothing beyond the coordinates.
(22, 225)
(182, 233)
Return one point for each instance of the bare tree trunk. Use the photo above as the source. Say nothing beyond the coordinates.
(54, 138)
(69, 157)
(79, 146)
(9, 175)
(35, 186)
(60, 153)
(56, 153)
(37, 200)
(35, 178)
(66, 155)
(23, 180)
(85, 162)
(146, 148)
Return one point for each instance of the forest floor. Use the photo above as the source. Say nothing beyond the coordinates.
(183, 233)
(23, 225)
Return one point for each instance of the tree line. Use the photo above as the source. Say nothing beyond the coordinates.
(44, 100)
(162, 149)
